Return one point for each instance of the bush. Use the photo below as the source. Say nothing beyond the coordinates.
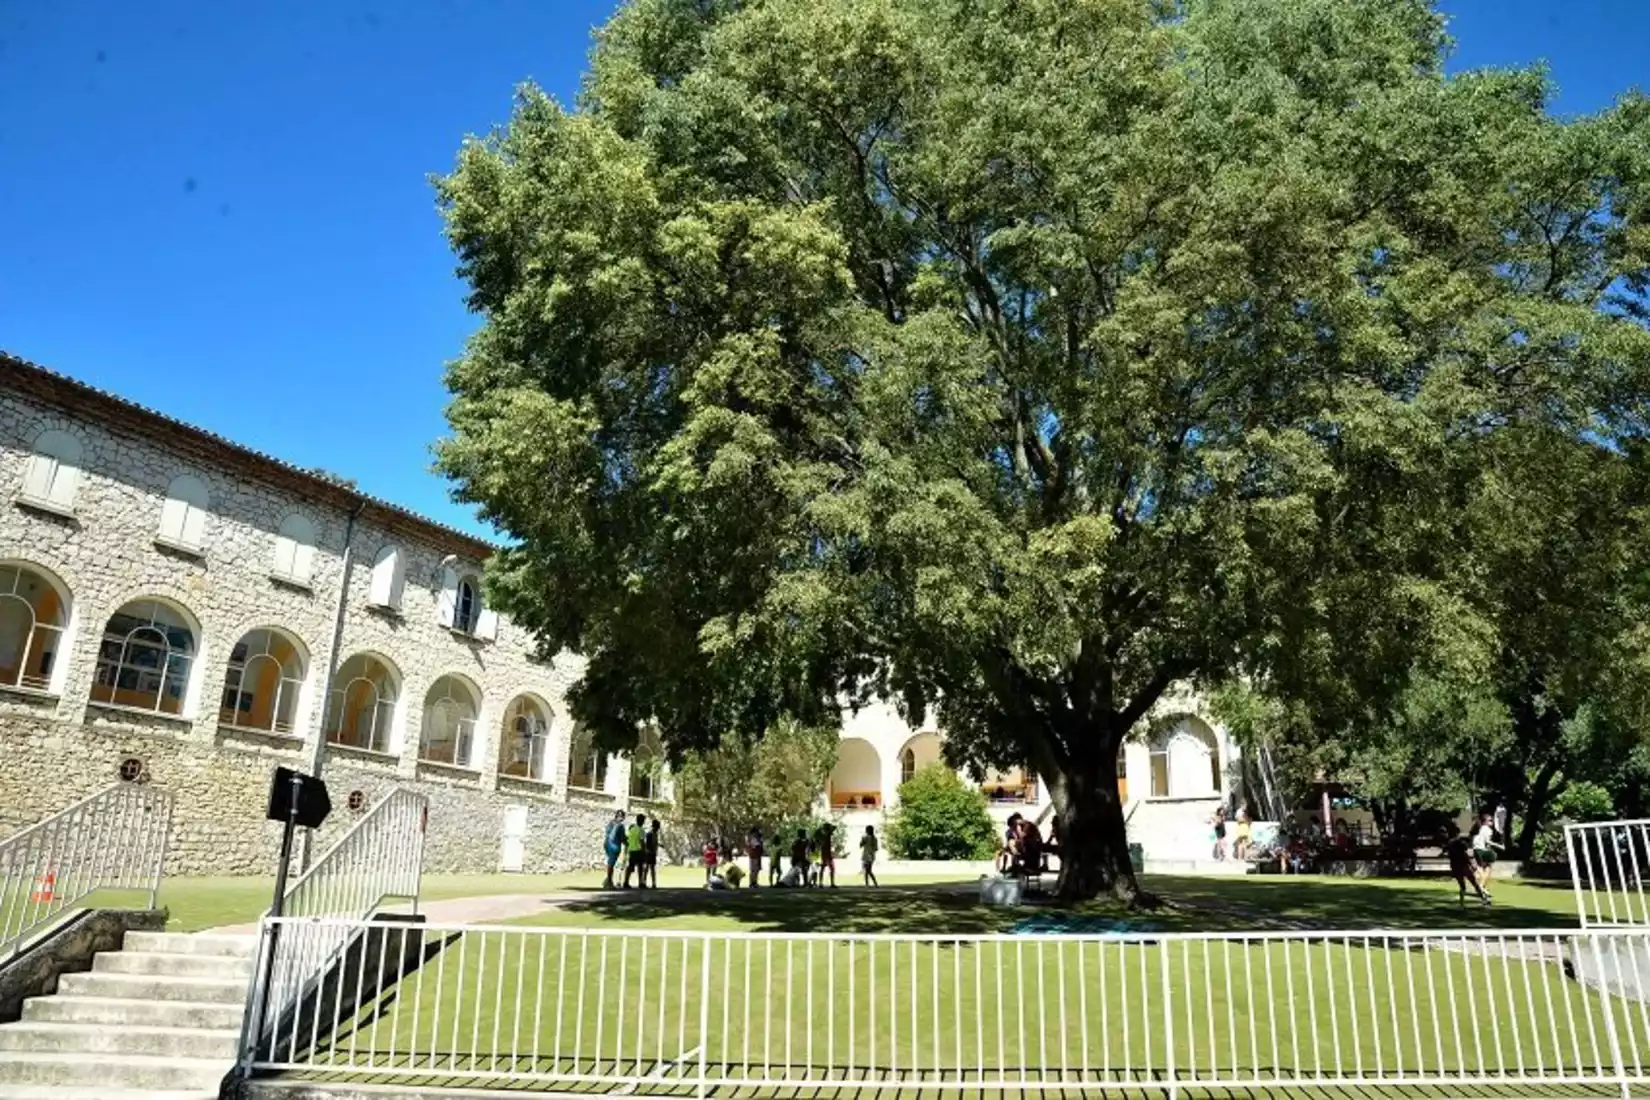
(1576, 804)
(941, 817)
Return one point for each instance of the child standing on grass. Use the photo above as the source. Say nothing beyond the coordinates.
(710, 856)
(650, 854)
(1483, 851)
(868, 856)
(827, 858)
(753, 849)
(613, 844)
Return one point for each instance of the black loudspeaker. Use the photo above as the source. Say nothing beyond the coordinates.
(308, 794)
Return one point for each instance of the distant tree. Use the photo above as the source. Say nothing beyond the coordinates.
(743, 781)
(1018, 359)
(336, 479)
(940, 817)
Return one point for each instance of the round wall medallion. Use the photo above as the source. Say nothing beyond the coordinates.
(357, 801)
(131, 770)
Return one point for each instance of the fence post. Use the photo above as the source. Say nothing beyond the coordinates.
(704, 1013)
(1604, 998)
(1173, 1087)
(1575, 871)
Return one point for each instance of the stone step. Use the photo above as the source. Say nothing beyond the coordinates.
(126, 1039)
(69, 1092)
(147, 987)
(111, 1071)
(192, 943)
(222, 967)
(107, 1010)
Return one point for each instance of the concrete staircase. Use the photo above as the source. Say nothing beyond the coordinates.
(157, 1020)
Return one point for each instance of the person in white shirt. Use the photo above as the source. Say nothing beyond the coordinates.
(1484, 848)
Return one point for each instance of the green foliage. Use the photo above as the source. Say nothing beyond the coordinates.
(1579, 803)
(1021, 358)
(745, 781)
(940, 817)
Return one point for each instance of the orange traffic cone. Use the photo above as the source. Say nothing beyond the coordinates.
(44, 887)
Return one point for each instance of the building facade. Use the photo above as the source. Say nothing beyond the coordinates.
(171, 603)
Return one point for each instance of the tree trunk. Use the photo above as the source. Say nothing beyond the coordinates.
(1094, 842)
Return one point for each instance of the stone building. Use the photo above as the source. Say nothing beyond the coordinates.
(170, 603)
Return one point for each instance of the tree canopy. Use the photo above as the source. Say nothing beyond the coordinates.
(1021, 358)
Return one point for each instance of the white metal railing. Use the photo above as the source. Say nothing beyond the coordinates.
(381, 857)
(638, 1012)
(114, 840)
(1608, 861)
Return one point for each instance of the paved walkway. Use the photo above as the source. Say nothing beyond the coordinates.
(488, 909)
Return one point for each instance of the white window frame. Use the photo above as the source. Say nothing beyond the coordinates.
(183, 515)
(173, 666)
(526, 732)
(581, 749)
(451, 707)
(472, 618)
(54, 633)
(384, 685)
(52, 477)
(289, 684)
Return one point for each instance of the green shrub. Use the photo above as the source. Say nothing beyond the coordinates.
(941, 817)
(1578, 803)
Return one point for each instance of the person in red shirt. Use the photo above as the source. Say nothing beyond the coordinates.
(711, 847)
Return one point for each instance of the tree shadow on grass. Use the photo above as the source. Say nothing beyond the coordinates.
(1339, 903)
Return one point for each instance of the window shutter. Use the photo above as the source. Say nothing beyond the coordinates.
(194, 525)
(286, 552)
(65, 480)
(303, 562)
(37, 481)
(172, 516)
(487, 625)
(447, 601)
(384, 570)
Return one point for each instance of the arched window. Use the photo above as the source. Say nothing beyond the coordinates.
(448, 733)
(33, 616)
(53, 473)
(526, 748)
(266, 675)
(907, 766)
(145, 658)
(586, 763)
(1185, 761)
(361, 709)
(295, 551)
(646, 765)
(388, 577)
(183, 516)
(460, 606)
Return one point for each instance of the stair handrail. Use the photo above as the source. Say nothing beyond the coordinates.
(380, 857)
(116, 839)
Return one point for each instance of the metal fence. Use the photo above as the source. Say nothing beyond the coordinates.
(114, 840)
(1608, 861)
(668, 1013)
(380, 858)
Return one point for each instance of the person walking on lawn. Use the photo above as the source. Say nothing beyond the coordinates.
(753, 849)
(825, 840)
(1461, 867)
(636, 852)
(1483, 851)
(650, 854)
(868, 856)
(613, 844)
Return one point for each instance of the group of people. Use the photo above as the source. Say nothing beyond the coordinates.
(1241, 847)
(634, 848)
(1472, 861)
(639, 847)
(812, 860)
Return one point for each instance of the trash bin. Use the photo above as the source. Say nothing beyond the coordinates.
(1137, 858)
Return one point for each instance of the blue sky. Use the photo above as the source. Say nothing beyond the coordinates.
(221, 210)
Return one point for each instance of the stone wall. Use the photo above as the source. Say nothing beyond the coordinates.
(221, 791)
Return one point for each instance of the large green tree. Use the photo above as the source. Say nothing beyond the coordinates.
(741, 781)
(1018, 358)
